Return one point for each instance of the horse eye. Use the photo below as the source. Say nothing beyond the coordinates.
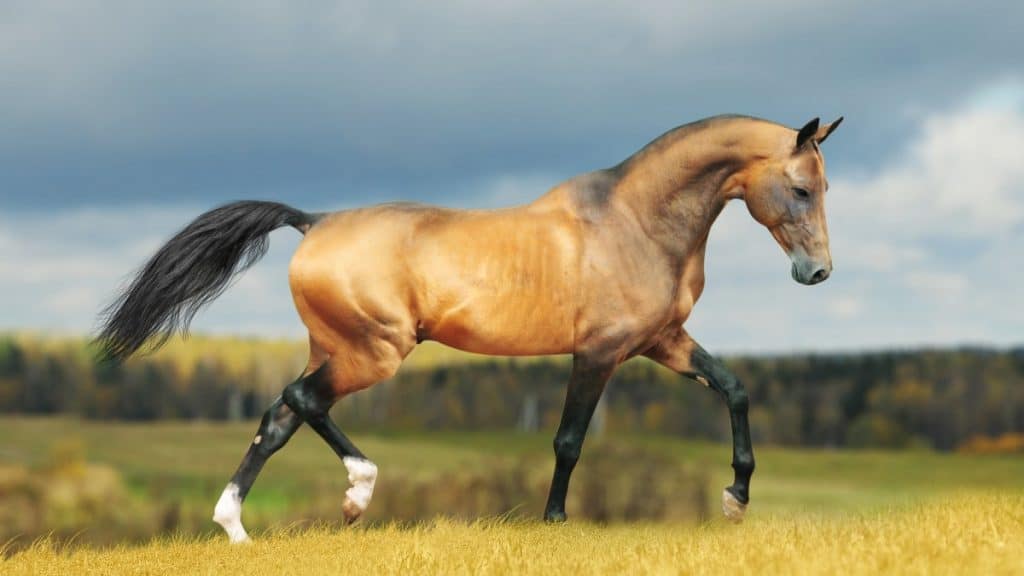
(801, 193)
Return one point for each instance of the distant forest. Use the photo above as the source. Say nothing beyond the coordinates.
(927, 398)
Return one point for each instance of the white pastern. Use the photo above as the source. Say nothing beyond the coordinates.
(228, 513)
(732, 508)
(362, 474)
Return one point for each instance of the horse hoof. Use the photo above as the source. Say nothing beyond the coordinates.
(732, 507)
(351, 510)
(554, 517)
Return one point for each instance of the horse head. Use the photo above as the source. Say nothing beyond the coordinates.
(786, 193)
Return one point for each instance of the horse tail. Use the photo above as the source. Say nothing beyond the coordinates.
(189, 272)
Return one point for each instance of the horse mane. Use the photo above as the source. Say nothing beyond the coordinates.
(678, 133)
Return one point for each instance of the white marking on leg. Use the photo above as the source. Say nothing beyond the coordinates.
(228, 513)
(362, 474)
(257, 439)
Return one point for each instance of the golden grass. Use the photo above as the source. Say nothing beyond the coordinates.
(968, 533)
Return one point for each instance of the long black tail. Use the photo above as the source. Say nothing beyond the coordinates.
(188, 272)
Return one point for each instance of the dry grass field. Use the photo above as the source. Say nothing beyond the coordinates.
(963, 534)
(814, 511)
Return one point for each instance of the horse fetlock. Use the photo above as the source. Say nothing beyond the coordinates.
(744, 468)
(362, 475)
(732, 508)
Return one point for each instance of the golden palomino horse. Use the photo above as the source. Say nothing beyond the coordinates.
(605, 266)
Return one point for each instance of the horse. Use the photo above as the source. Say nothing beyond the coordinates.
(605, 266)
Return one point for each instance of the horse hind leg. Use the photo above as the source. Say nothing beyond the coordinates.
(312, 399)
(327, 379)
(278, 425)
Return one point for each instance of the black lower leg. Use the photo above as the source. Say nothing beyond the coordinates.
(742, 448)
(311, 398)
(585, 387)
(278, 424)
(724, 382)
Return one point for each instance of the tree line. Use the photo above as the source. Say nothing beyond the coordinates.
(931, 398)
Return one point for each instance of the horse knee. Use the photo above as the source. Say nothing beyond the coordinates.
(568, 448)
(737, 399)
(731, 389)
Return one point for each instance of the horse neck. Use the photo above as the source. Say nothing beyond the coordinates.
(678, 191)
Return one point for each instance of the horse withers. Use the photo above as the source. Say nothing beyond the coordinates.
(605, 266)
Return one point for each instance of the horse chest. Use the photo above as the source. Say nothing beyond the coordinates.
(691, 286)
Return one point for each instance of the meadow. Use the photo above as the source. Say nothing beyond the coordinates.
(813, 511)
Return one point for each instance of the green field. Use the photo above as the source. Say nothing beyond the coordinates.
(867, 497)
(192, 461)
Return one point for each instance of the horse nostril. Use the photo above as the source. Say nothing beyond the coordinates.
(819, 276)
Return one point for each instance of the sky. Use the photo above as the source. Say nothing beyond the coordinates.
(122, 121)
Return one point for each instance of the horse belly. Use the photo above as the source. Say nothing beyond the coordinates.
(501, 288)
(506, 327)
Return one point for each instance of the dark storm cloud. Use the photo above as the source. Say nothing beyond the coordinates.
(107, 103)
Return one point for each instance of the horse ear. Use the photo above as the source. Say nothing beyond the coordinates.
(809, 129)
(827, 129)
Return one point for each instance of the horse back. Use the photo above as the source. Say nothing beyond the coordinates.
(494, 282)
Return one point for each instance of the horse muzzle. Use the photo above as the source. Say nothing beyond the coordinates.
(810, 273)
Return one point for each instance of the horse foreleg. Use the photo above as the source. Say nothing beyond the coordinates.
(681, 353)
(277, 426)
(585, 387)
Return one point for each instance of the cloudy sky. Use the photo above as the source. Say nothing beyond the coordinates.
(120, 121)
